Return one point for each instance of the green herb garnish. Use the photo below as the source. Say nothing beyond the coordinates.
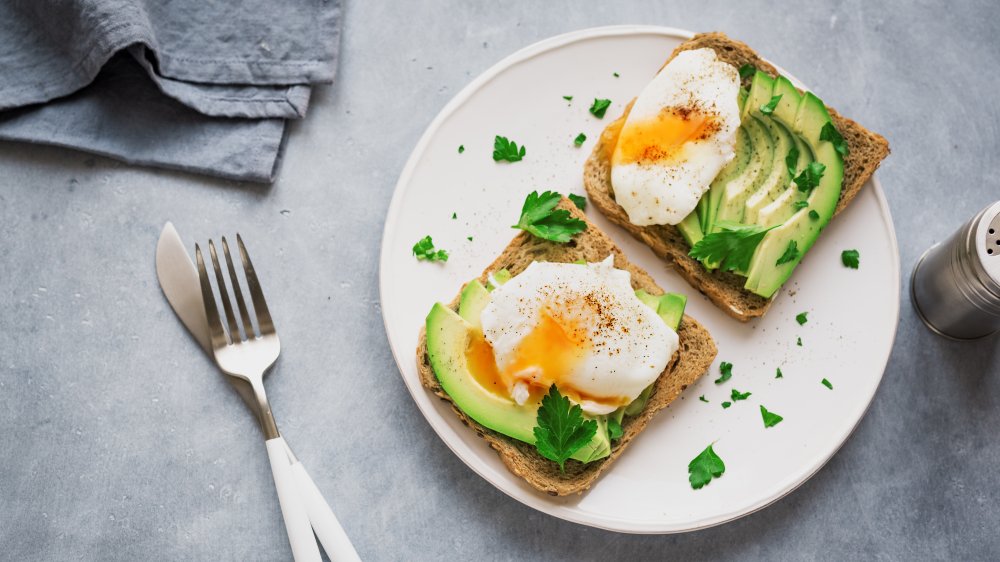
(813, 214)
(461, 148)
(769, 107)
(798, 341)
(732, 247)
(579, 140)
(801, 318)
(579, 200)
(779, 375)
(747, 71)
(702, 398)
(770, 418)
(704, 467)
(800, 204)
(830, 133)
(454, 216)
(810, 176)
(792, 160)
(736, 395)
(827, 384)
(504, 149)
(791, 253)
(727, 372)
(616, 75)
(726, 404)
(600, 107)
(424, 250)
(561, 429)
(851, 258)
(540, 217)
(568, 98)
(614, 429)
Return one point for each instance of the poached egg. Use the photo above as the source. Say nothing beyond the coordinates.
(580, 327)
(679, 134)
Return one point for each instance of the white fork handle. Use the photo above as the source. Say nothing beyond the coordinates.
(293, 510)
(335, 542)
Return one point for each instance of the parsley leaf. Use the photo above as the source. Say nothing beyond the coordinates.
(792, 160)
(702, 398)
(726, 404)
(614, 429)
(770, 418)
(810, 176)
(801, 318)
(704, 467)
(830, 133)
(469, 238)
(798, 342)
(424, 250)
(827, 384)
(727, 372)
(769, 107)
(736, 395)
(778, 375)
(851, 258)
(579, 140)
(747, 71)
(540, 217)
(561, 429)
(800, 204)
(813, 214)
(461, 148)
(504, 149)
(732, 247)
(579, 200)
(791, 253)
(568, 98)
(600, 107)
(616, 75)
(454, 216)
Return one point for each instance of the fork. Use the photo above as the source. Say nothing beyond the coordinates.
(240, 352)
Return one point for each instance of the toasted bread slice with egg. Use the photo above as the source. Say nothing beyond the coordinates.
(724, 289)
(693, 358)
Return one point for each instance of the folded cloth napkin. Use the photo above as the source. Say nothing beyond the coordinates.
(201, 85)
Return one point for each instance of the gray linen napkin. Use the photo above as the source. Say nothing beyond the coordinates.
(201, 85)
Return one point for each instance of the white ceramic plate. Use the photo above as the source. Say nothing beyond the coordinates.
(852, 313)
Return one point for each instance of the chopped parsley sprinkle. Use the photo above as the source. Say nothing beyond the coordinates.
(578, 200)
(726, 404)
(461, 148)
(703, 468)
(801, 318)
(798, 342)
(600, 107)
(813, 214)
(469, 238)
(830, 133)
(810, 176)
(747, 71)
(702, 398)
(792, 160)
(454, 216)
(851, 258)
(727, 372)
(779, 375)
(425, 251)
(616, 75)
(508, 150)
(736, 395)
(770, 418)
(579, 140)
(827, 384)
(791, 253)
(769, 107)
(568, 98)
(801, 204)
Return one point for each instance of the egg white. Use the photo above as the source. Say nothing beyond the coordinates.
(666, 191)
(620, 362)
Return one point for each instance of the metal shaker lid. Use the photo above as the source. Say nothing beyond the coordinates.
(987, 242)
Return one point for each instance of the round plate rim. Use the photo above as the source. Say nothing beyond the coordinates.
(538, 501)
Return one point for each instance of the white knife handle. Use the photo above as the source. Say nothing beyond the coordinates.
(335, 542)
(293, 510)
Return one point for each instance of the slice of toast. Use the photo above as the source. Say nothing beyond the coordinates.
(867, 150)
(694, 356)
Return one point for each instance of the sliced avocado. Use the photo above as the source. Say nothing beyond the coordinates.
(671, 309)
(765, 276)
(474, 299)
(738, 167)
(761, 90)
(778, 180)
(499, 277)
(737, 191)
(447, 339)
(636, 406)
(788, 105)
(690, 228)
(652, 301)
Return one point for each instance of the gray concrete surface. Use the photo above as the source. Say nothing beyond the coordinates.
(121, 443)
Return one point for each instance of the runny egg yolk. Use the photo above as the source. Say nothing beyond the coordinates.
(662, 137)
(543, 358)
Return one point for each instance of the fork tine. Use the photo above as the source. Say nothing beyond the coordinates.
(263, 316)
(215, 329)
(247, 326)
(234, 329)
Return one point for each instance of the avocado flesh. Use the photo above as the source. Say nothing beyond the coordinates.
(764, 276)
(737, 191)
(448, 337)
(735, 168)
(778, 180)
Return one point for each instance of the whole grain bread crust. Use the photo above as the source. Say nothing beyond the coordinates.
(867, 150)
(693, 358)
